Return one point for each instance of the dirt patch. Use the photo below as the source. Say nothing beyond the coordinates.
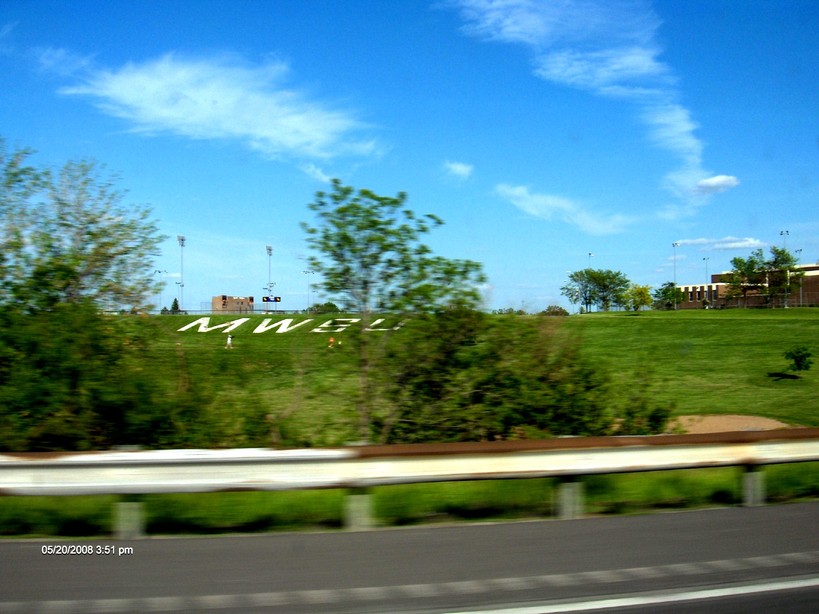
(721, 424)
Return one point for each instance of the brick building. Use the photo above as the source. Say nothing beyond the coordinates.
(716, 292)
(231, 304)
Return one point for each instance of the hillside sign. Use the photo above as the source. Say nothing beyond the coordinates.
(334, 325)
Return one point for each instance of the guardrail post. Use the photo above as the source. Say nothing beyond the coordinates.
(129, 518)
(753, 486)
(358, 514)
(570, 498)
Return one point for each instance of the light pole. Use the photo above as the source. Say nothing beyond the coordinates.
(269, 249)
(181, 240)
(707, 280)
(590, 257)
(801, 279)
(308, 272)
(675, 245)
(160, 272)
(784, 234)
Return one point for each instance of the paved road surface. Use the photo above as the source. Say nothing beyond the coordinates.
(675, 562)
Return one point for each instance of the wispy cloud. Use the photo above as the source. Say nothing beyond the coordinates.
(608, 48)
(725, 243)
(61, 61)
(549, 207)
(717, 183)
(225, 98)
(459, 170)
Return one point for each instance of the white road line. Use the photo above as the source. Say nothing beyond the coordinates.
(626, 602)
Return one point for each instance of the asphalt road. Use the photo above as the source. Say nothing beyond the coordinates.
(712, 560)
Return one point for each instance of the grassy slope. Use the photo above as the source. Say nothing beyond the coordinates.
(706, 362)
(714, 362)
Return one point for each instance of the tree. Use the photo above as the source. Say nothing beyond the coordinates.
(746, 275)
(71, 377)
(610, 287)
(554, 310)
(596, 286)
(580, 288)
(67, 237)
(781, 276)
(636, 297)
(371, 254)
(800, 357)
(667, 296)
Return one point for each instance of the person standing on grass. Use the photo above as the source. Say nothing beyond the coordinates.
(229, 343)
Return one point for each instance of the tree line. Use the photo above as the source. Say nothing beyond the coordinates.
(605, 289)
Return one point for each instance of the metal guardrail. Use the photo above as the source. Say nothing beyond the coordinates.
(360, 467)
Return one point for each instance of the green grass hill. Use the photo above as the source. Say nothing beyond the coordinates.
(704, 361)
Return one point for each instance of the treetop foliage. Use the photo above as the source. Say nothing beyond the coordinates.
(604, 288)
(774, 277)
(67, 236)
(371, 254)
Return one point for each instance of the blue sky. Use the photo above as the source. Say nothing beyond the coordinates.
(541, 132)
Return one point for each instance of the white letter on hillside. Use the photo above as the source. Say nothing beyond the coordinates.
(204, 325)
(335, 325)
(370, 328)
(282, 325)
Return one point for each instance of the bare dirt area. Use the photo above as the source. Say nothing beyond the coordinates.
(721, 424)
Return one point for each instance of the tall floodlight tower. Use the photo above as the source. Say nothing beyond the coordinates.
(675, 245)
(181, 240)
(308, 272)
(269, 249)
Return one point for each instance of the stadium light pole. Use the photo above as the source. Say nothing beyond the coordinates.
(675, 245)
(798, 252)
(308, 272)
(784, 234)
(160, 272)
(269, 249)
(707, 280)
(181, 240)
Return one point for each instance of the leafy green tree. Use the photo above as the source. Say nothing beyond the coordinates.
(68, 237)
(604, 288)
(667, 296)
(371, 255)
(326, 307)
(747, 274)
(637, 297)
(580, 288)
(554, 310)
(71, 377)
(463, 376)
(781, 276)
(610, 288)
(800, 357)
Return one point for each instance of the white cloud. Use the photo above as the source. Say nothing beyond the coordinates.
(460, 170)
(609, 48)
(61, 61)
(717, 183)
(548, 207)
(725, 243)
(224, 98)
(315, 172)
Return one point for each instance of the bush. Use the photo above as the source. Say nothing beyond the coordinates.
(554, 310)
(800, 356)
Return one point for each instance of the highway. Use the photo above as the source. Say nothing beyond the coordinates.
(719, 560)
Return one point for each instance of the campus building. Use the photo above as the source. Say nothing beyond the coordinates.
(231, 304)
(715, 294)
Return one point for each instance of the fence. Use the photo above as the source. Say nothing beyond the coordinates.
(359, 467)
